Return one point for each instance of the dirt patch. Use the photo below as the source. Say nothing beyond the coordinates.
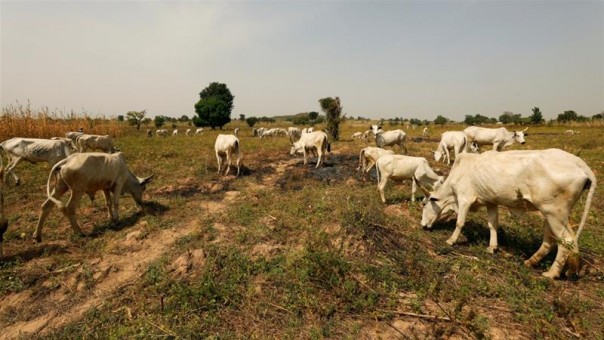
(93, 283)
(189, 262)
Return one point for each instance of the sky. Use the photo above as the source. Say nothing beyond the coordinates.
(383, 59)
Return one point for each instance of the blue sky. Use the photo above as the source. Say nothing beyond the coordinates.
(383, 59)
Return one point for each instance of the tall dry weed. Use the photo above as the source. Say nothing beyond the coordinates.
(21, 120)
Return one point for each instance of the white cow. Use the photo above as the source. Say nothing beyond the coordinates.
(550, 181)
(366, 134)
(199, 131)
(259, 131)
(33, 150)
(499, 137)
(189, 132)
(95, 142)
(73, 135)
(236, 131)
(425, 132)
(369, 155)
(162, 133)
(399, 167)
(227, 146)
(455, 140)
(174, 132)
(389, 138)
(357, 135)
(571, 132)
(87, 173)
(312, 142)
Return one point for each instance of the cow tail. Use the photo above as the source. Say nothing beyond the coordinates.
(361, 160)
(377, 172)
(54, 169)
(328, 144)
(591, 182)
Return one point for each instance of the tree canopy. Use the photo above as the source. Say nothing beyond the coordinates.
(333, 110)
(537, 116)
(136, 118)
(214, 106)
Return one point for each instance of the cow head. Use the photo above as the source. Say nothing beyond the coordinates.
(437, 155)
(137, 187)
(296, 147)
(375, 128)
(431, 211)
(519, 136)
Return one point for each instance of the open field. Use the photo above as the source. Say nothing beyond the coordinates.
(288, 251)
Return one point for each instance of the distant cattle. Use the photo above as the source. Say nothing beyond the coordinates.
(87, 173)
(549, 181)
(174, 132)
(95, 142)
(389, 138)
(33, 150)
(198, 131)
(357, 135)
(294, 133)
(188, 132)
(369, 155)
(227, 147)
(456, 140)
(425, 132)
(499, 137)
(236, 131)
(571, 132)
(161, 133)
(313, 143)
(400, 167)
(149, 133)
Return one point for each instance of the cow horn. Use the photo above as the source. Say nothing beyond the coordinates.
(525, 129)
(145, 180)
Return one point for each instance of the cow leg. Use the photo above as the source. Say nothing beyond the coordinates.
(493, 213)
(10, 166)
(449, 155)
(219, 159)
(382, 185)
(413, 189)
(369, 165)
(566, 243)
(545, 247)
(403, 146)
(108, 202)
(304, 153)
(319, 157)
(70, 212)
(47, 206)
(228, 162)
(461, 220)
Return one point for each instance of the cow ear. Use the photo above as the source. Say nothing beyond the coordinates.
(525, 134)
(145, 180)
(433, 198)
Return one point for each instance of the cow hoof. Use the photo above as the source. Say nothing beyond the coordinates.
(37, 239)
(550, 275)
(491, 250)
(450, 242)
(17, 182)
(528, 263)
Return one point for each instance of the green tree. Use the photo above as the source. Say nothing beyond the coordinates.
(120, 118)
(159, 121)
(567, 116)
(242, 118)
(598, 116)
(440, 120)
(214, 106)
(184, 118)
(333, 110)
(251, 121)
(312, 115)
(136, 118)
(536, 117)
(510, 118)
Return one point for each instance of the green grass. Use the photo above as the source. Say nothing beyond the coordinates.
(312, 253)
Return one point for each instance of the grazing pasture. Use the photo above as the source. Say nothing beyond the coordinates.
(287, 250)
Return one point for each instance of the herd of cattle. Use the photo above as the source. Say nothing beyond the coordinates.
(550, 181)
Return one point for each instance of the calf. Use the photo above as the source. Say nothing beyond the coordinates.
(455, 140)
(95, 142)
(227, 146)
(87, 173)
(389, 138)
(313, 142)
(399, 167)
(550, 181)
(33, 150)
(499, 138)
(369, 155)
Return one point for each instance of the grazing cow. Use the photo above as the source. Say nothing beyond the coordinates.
(313, 142)
(369, 155)
(455, 140)
(198, 131)
(499, 137)
(399, 167)
(227, 146)
(236, 131)
(162, 133)
(389, 138)
(366, 134)
(550, 181)
(571, 132)
(73, 135)
(33, 150)
(258, 132)
(87, 173)
(425, 132)
(95, 142)
(188, 132)
(294, 133)
(357, 135)
(149, 133)
(174, 132)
